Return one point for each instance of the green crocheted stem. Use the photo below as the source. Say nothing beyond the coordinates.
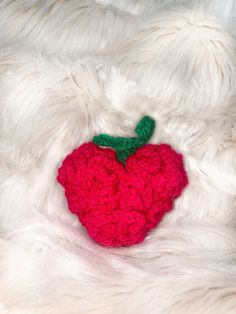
(126, 146)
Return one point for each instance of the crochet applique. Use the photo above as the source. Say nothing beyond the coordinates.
(120, 188)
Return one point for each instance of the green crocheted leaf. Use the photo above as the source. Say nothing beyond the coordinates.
(126, 146)
(145, 128)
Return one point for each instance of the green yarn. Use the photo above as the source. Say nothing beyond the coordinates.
(126, 146)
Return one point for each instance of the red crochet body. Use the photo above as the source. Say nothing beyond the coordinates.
(119, 204)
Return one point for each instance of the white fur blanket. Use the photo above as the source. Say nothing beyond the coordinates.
(73, 68)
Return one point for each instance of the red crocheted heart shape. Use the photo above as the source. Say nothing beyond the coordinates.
(119, 204)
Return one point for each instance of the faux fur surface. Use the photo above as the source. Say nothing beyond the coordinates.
(70, 69)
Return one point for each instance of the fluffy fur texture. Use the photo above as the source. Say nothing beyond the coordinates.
(69, 70)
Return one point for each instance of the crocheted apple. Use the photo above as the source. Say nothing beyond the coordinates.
(120, 188)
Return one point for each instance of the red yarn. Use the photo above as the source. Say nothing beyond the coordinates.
(118, 204)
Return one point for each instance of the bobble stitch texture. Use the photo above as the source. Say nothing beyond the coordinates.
(120, 202)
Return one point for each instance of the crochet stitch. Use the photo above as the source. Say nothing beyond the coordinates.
(126, 146)
(120, 202)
